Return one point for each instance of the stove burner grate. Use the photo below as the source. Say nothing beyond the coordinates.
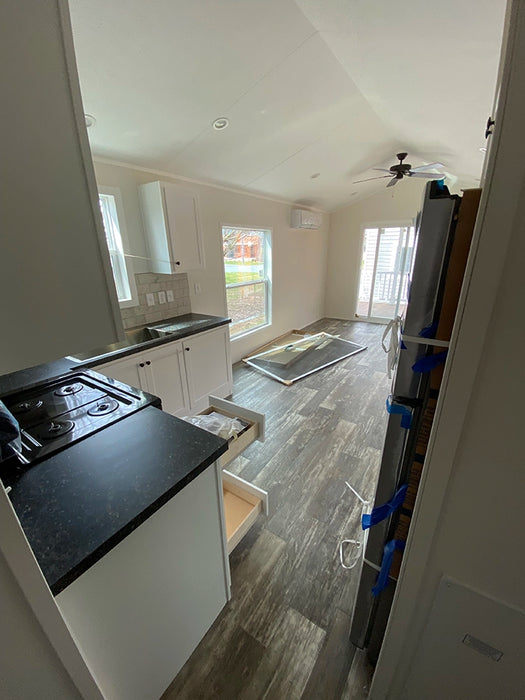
(69, 389)
(54, 429)
(103, 407)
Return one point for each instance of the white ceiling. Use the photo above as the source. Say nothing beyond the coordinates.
(314, 86)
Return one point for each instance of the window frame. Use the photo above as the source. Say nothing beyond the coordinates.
(119, 206)
(266, 280)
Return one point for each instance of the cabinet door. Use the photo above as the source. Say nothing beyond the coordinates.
(130, 371)
(166, 377)
(208, 366)
(182, 214)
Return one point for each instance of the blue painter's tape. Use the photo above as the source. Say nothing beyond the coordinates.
(386, 564)
(404, 411)
(381, 512)
(429, 362)
(429, 331)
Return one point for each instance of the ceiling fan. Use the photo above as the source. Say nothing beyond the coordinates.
(400, 170)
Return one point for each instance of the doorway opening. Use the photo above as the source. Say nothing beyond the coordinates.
(386, 266)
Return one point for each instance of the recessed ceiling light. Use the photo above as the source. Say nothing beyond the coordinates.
(483, 149)
(90, 120)
(315, 175)
(221, 123)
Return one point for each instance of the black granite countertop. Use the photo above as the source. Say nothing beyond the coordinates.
(32, 376)
(187, 324)
(77, 505)
(183, 326)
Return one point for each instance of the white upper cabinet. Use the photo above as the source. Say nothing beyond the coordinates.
(172, 225)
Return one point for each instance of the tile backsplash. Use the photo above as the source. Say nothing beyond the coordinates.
(150, 282)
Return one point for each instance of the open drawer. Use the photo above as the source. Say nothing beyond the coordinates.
(254, 426)
(242, 501)
(242, 504)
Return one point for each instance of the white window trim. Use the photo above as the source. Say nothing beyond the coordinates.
(268, 239)
(115, 192)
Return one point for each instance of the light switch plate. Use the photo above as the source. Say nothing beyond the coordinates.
(150, 299)
(162, 297)
(169, 295)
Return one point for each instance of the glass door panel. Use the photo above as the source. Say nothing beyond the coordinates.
(388, 255)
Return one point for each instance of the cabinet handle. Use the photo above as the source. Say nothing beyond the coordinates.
(177, 262)
(187, 349)
(141, 364)
(148, 362)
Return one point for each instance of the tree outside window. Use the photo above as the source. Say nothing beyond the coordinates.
(247, 272)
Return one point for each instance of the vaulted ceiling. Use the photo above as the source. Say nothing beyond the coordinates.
(328, 87)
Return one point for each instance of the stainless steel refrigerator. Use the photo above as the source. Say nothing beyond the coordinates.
(410, 395)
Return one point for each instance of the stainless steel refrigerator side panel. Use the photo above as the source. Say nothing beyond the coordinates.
(436, 223)
(436, 220)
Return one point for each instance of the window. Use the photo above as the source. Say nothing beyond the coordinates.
(113, 219)
(386, 266)
(247, 271)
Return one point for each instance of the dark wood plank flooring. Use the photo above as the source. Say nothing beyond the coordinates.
(285, 633)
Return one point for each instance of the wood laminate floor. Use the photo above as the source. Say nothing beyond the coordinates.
(285, 633)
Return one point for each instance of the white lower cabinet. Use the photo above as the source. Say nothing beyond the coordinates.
(165, 377)
(182, 373)
(208, 366)
(139, 612)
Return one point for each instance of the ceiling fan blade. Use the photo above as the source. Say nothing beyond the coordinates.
(425, 167)
(435, 176)
(370, 178)
(382, 170)
(394, 181)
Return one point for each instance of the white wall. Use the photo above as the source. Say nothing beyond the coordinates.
(468, 523)
(29, 666)
(54, 292)
(390, 206)
(298, 256)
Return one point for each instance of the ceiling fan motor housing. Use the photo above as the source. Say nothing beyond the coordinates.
(401, 168)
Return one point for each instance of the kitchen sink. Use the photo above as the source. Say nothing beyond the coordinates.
(161, 330)
(136, 336)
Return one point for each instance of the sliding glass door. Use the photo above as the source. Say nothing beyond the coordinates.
(386, 265)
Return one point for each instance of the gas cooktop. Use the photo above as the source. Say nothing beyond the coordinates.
(60, 412)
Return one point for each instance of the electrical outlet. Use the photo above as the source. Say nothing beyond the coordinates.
(169, 295)
(150, 299)
(198, 288)
(162, 297)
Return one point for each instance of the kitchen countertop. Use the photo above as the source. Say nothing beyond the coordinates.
(32, 376)
(186, 325)
(26, 378)
(75, 506)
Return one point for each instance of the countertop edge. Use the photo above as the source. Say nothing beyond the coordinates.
(148, 345)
